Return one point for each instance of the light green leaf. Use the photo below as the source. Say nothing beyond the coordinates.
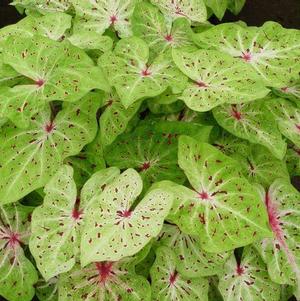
(223, 208)
(128, 69)
(31, 156)
(169, 284)
(104, 281)
(247, 280)
(236, 6)
(272, 51)
(17, 273)
(218, 7)
(193, 10)
(44, 6)
(281, 253)
(56, 224)
(115, 118)
(113, 228)
(191, 260)
(216, 78)
(92, 40)
(150, 24)
(152, 154)
(252, 121)
(97, 16)
(290, 91)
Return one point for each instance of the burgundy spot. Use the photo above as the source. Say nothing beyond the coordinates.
(235, 113)
(145, 166)
(285, 89)
(146, 72)
(298, 127)
(113, 20)
(40, 82)
(169, 38)
(124, 213)
(246, 56)
(104, 270)
(173, 277)
(76, 212)
(49, 127)
(201, 84)
(203, 195)
(240, 270)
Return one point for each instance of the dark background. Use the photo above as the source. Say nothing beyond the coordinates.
(255, 12)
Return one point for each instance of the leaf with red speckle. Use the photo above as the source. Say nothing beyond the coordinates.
(58, 71)
(113, 229)
(290, 91)
(287, 117)
(216, 78)
(104, 281)
(44, 6)
(128, 69)
(97, 16)
(252, 121)
(292, 159)
(247, 280)
(150, 24)
(152, 154)
(17, 274)
(281, 253)
(92, 40)
(223, 208)
(29, 157)
(193, 10)
(191, 260)
(55, 238)
(271, 50)
(169, 284)
(115, 118)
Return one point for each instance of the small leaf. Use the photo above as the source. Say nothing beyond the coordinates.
(210, 87)
(169, 284)
(247, 280)
(218, 7)
(281, 253)
(113, 229)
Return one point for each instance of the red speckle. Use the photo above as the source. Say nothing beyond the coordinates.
(76, 212)
(12, 238)
(124, 213)
(173, 277)
(285, 89)
(146, 72)
(246, 56)
(240, 270)
(104, 270)
(201, 84)
(113, 20)
(169, 38)
(235, 113)
(40, 82)
(297, 127)
(203, 195)
(145, 166)
(49, 127)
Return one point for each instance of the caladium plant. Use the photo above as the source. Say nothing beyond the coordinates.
(147, 154)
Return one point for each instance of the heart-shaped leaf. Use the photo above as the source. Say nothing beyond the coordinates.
(169, 284)
(191, 260)
(95, 16)
(252, 121)
(281, 253)
(56, 224)
(113, 228)
(31, 156)
(150, 24)
(223, 208)
(271, 51)
(193, 10)
(104, 281)
(58, 70)
(128, 69)
(152, 154)
(216, 78)
(248, 279)
(17, 274)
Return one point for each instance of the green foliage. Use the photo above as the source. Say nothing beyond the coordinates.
(146, 154)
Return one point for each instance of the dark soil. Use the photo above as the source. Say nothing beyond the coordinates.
(255, 13)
